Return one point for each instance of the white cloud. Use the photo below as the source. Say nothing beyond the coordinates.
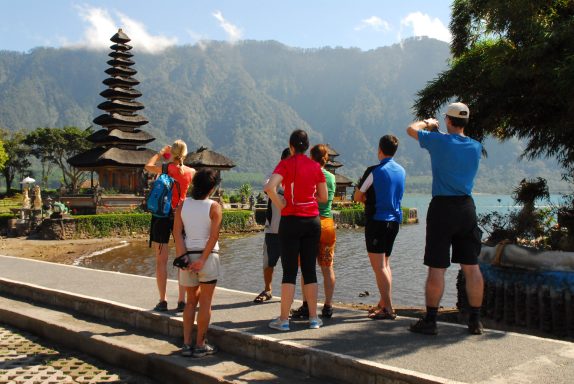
(423, 25)
(375, 23)
(199, 39)
(234, 33)
(102, 26)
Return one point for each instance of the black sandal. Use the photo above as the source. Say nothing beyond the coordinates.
(263, 297)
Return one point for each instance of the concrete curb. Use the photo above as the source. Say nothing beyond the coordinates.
(311, 361)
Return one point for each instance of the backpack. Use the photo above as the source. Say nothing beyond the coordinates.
(159, 198)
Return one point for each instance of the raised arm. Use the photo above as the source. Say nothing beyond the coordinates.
(150, 166)
(427, 124)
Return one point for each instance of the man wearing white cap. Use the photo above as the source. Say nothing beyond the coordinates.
(451, 217)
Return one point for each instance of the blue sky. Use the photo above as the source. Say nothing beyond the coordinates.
(156, 25)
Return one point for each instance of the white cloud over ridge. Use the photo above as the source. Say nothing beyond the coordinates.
(233, 32)
(423, 25)
(375, 23)
(102, 26)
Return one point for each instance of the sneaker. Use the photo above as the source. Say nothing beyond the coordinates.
(186, 350)
(180, 306)
(315, 323)
(475, 327)
(280, 325)
(161, 306)
(300, 313)
(424, 327)
(204, 350)
(327, 312)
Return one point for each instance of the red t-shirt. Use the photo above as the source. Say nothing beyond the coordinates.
(183, 180)
(300, 178)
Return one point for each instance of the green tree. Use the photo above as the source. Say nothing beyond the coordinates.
(43, 143)
(68, 142)
(3, 155)
(513, 64)
(245, 190)
(17, 152)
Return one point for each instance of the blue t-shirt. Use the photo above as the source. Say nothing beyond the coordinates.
(454, 161)
(387, 181)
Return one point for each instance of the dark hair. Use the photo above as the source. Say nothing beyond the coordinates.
(459, 122)
(388, 144)
(320, 154)
(299, 140)
(203, 182)
(286, 153)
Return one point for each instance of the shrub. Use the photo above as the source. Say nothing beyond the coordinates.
(112, 224)
(237, 220)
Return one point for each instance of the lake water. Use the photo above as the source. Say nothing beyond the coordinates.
(242, 261)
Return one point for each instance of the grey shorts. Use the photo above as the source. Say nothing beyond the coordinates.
(210, 272)
(271, 250)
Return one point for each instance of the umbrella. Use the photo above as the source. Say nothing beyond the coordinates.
(28, 180)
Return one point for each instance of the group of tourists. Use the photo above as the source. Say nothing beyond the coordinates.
(299, 227)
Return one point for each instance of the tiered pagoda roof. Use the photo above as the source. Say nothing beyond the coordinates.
(117, 143)
(205, 157)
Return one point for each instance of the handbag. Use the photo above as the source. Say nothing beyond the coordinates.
(183, 261)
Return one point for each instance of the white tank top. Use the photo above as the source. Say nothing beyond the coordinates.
(197, 223)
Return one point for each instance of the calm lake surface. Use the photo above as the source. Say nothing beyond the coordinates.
(241, 259)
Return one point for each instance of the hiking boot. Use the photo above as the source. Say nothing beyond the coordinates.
(424, 327)
(327, 312)
(475, 327)
(161, 306)
(180, 306)
(315, 323)
(204, 350)
(280, 325)
(186, 350)
(300, 313)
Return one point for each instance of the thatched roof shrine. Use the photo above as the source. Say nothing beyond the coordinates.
(205, 157)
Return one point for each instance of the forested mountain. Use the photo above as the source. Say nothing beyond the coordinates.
(243, 100)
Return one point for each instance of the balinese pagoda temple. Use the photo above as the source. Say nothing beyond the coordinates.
(118, 156)
(206, 158)
(343, 182)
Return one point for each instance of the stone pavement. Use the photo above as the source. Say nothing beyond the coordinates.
(27, 359)
(349, 348)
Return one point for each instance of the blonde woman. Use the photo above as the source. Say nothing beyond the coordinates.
(161, 228)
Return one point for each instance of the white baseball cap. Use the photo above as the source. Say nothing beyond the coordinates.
(459, 110)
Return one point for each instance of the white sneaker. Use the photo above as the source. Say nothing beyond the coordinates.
(315, 323)
(280, 325)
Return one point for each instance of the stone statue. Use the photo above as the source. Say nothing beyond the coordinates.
(25, 198)
(37, 198)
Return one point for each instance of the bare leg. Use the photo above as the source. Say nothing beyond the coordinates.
(310, 291)
(161, 269)
(287, 294)
(474, 284)
(204, 315)
(328, 283)
(377, 261)
(434, 286)
(189, 313)
(387, 284)
(268, 278)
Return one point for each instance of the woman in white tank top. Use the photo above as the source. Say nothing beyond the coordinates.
(196, 232)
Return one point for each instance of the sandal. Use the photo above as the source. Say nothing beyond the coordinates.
(262, 297)
(375, 309)
(382, 314)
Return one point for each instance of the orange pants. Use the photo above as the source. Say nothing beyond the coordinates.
(327, 242)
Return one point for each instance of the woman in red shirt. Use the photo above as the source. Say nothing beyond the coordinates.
(300, 228)
(161, 228)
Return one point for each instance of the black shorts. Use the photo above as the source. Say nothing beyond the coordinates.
(160, 229)
(451, 221)
(380, 236)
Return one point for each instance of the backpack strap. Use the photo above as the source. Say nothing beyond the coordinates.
(164, 168)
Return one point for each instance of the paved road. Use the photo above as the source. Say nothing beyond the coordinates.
(495, 357)
(27, 359)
